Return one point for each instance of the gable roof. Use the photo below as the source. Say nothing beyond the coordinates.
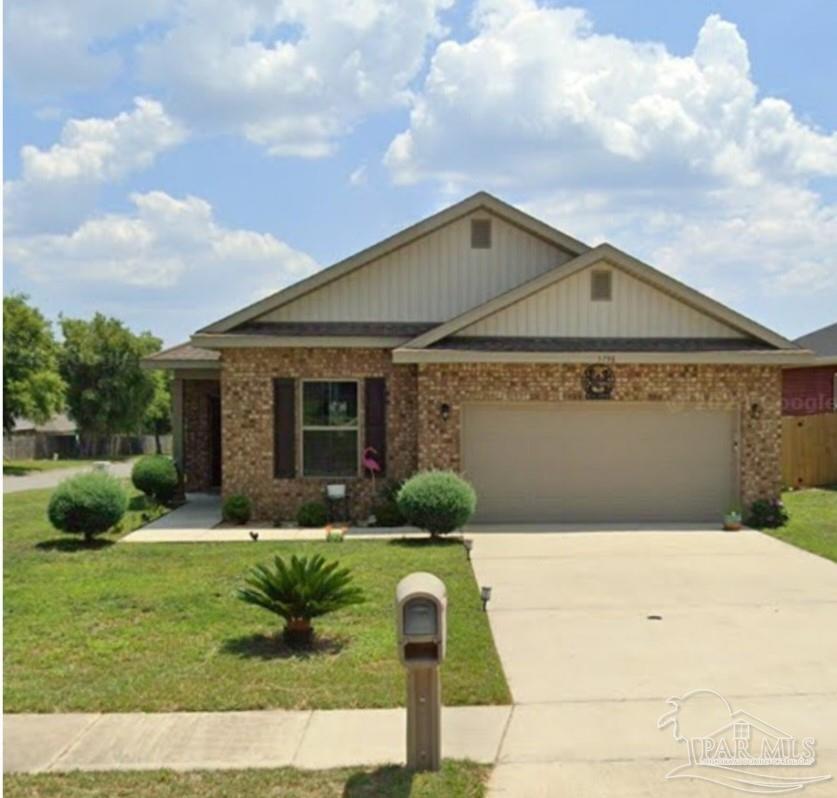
(480, 200)
(183, 356)
(605, 253)
(823, 342)
(759, 344)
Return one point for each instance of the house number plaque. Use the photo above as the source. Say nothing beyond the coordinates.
(598, 382)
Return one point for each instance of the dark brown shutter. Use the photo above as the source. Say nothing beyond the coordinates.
(284, 428)
(376, 420)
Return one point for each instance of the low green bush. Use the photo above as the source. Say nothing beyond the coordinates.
(87, 504)
(438, 501)
(767, 514)
(156, 476)
(312, 514)
(237, 509)
(387, 514)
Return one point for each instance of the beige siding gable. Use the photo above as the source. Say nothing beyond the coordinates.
(636, 309)
(433, 278)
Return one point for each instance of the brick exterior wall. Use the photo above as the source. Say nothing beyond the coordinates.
(417, 437)
(197, 436)
(708, 385)
(247, 424)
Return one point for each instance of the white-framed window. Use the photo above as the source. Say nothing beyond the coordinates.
(330, 428)
(601, 285)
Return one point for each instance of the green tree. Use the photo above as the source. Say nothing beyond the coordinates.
(108, 391)
(157, 420)
(32, 387)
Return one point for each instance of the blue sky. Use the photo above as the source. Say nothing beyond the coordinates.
(170, 161)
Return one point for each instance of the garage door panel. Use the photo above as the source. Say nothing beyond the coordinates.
(608, 462)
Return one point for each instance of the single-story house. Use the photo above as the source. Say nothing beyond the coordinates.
(812, 389)
(568, 383)
(30, 440)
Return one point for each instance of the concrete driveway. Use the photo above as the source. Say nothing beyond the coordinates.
(590, 670)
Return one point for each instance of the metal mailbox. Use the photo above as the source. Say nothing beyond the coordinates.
(421, 619)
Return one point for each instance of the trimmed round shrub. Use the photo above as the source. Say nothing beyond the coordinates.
(156, 476)
(438, 501)
(767, 514)
(87, 504)
(237, 509)
(312, 514)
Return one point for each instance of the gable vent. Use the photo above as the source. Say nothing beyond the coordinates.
(480, 233)
(601, 285)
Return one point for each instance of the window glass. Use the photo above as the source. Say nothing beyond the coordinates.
(329, 404)
(329, 429)
(329, 453)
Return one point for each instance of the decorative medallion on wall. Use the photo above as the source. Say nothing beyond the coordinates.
(598, 382)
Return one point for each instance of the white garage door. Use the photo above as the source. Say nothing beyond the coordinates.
(599, 462)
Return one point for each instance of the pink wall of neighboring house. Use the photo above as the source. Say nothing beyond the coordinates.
(806, 392)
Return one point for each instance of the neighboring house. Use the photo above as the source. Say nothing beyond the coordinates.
(31, 441)
(569, 383)
(812, 389)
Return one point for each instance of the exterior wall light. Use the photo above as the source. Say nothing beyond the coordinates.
(485, 595)
(444, 411)
(755, 410)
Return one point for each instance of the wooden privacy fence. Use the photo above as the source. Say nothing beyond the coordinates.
(809, 450)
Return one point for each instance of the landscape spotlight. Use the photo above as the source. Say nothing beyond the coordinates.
(485, 595)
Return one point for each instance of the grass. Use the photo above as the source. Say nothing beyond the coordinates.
(455, 780)
(156, 627)
(813, 521)
(20, 468)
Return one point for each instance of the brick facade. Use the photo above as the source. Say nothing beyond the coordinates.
(197, 434)
(247, 424)
(739, 387)
(418, 437)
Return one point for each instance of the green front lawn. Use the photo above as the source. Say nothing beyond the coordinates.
(455, 780)
(813, 521)
(156, 627)
(19, 468)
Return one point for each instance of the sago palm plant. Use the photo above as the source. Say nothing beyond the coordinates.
(305, 588)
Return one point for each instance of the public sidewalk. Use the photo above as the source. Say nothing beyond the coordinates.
(314, 740)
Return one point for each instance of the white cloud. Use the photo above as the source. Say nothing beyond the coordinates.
(52, 46)
(677, 159)
(291, 76)
(566, 105)
(359, 176)
(164, 244)
(57, 185)
(167, 265)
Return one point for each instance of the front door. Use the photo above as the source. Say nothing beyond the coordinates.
(215, 441)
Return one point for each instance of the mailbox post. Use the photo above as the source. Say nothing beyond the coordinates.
(421, 622)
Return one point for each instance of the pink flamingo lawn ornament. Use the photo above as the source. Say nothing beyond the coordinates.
(370, 462)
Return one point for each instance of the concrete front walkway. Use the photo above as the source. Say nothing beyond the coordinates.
(197, 521)
(220, 740)
(49, 479)
(590, 668)
(200, 513)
